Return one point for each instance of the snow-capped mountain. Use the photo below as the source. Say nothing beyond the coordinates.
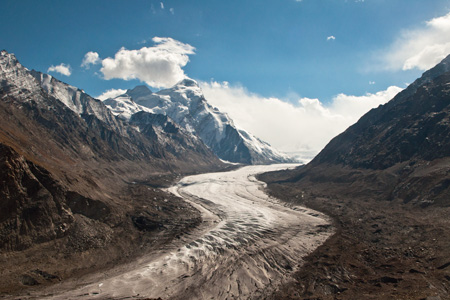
(186, 105)
(86, 127)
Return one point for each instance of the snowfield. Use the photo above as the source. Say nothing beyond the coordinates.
(247, 245)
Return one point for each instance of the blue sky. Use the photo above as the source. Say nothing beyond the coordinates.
(283, 49)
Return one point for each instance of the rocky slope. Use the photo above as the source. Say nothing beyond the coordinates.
(77, 182)
(186, 105)
(386, 182)
(399, 150)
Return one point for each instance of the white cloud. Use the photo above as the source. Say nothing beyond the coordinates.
(162, 5)
(306, 125)
(159, 66)
(61, 69)
(420, 48)
(331, 38)
(111, 94)
(172, 10)
(90, 58)
(353, 107)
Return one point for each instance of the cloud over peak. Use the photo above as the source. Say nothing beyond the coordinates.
(62, 69)
(111, 94)
(159, 66)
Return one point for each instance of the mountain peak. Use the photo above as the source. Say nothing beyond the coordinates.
(139, 91)
(7, 58)
(188, 82)
(6, 53)
(140, 88)
(438, 70)
(185, 104)
(12, 73)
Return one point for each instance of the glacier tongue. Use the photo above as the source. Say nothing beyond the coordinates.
(185, 104)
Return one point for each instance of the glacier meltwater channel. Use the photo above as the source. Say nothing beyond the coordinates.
(247, 245)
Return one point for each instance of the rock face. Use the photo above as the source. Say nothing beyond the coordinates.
(32, 206)
(400, 150)
(174, 139)
(185, 105)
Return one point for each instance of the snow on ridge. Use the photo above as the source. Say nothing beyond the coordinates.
(16, 77)
(124, 107)
(262, 147)
(67, 94)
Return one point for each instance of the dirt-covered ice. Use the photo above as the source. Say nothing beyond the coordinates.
(247, 245)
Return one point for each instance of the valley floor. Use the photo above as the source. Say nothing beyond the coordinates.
(246, 247)
(382, 249)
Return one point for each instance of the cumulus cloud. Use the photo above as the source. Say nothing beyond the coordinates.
(61, 69)
(306, 125)
(331, 38)
(90, 58)
(159, 66)
(111, 94)
(420, 48)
